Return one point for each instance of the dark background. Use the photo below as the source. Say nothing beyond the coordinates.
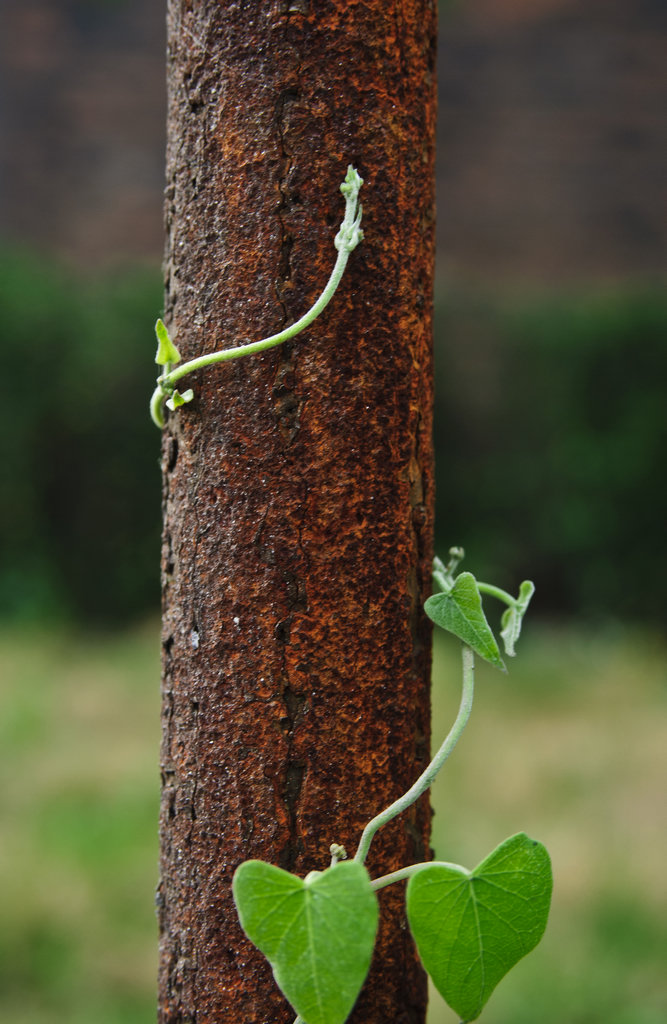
(551, 323)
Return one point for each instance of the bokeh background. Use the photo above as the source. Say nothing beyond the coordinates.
(551, 431)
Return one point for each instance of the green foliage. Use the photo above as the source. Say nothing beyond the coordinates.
(79, 533)
(577, 499)
(177, 399)
(459, 611)
(550, 418)
(318, 933)
(471, 927)
(166, 350)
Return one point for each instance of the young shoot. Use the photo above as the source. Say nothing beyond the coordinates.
(347, 239)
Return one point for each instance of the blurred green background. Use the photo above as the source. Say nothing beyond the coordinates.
(550, 441)
(570, 747)
(551, 363)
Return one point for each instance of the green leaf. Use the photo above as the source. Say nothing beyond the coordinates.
(471, 927)
(166, 350)
(318, 933)
(513, 617)
(177, 399)
(459, 611)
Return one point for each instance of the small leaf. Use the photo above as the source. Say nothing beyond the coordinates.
(472, 927)
(459, 610)
(513, 617)
(318, 933)
(167, 353)
(177, 399)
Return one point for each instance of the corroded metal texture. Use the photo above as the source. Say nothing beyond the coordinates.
(298, 485)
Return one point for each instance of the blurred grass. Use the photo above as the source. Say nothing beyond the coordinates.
(571, 747)
(78, 845)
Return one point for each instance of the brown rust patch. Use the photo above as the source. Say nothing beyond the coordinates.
(298, 486)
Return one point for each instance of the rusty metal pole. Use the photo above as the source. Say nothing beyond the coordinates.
(298, 486)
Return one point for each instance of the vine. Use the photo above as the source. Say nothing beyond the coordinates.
(168, 356)
(470, 926)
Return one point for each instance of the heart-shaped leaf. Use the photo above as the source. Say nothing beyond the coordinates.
(513, 617)
(459, 610)
(471, 927)
(318, 933)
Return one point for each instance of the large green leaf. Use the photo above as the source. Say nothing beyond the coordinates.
(318, 933)
(459, 610)
(471, 927)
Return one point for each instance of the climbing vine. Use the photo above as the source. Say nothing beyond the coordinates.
(470, 926)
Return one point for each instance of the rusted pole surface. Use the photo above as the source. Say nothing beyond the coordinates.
(298, 486)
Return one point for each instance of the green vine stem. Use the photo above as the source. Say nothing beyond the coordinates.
(425, 780)
(423, 783)
(347, 239)
(444, 577)
(502, 595)
(409, 871)
(444, 574)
